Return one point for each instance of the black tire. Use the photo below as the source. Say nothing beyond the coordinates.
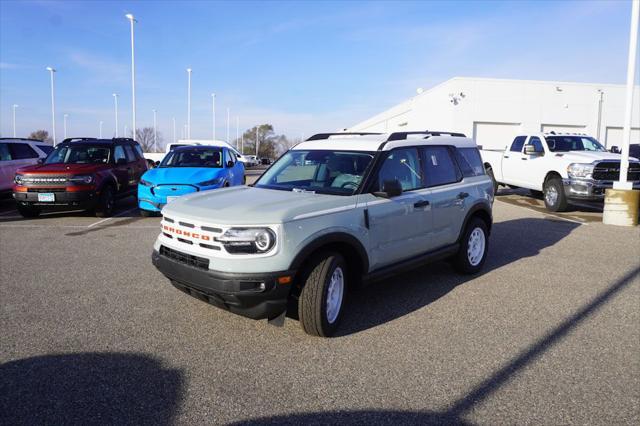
(493, 179)
(464, 262)
(312, 304)
(27, 211)
(106, 202)
(554, 198)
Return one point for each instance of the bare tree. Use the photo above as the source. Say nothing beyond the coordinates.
(145, 138)
(40, 135)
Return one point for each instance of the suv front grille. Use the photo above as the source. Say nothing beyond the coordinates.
(610, 170)
(187, 259)
(45, 180)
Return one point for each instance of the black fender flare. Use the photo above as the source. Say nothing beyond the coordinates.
(327, 239)
(478, 207)
(109, 179)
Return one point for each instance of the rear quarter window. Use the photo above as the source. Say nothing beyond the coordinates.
(45, 148)
(5, 155)
(470, 162)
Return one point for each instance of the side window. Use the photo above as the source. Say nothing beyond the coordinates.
(118, 153)
(138, 149)
(518, 143)
(232, 156)
(46, 148)
(470, 162)
(404, 165)
(537, 144)
(131, 156)
(5, 155)
(20, 151)
(440, 169)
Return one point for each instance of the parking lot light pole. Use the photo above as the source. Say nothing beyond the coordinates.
(188, 103)
(13, 107)
(53, 106)
(65, 124)
(237, 131)
(115, 101)
(227, 125)
(621, 202)
(257, 140)
(132, 20)
(213, 115)
(173, 119)
(155, 131)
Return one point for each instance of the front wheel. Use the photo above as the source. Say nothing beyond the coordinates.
(554, 197)
(474, 246)
(105, 203)
(26, 211)
(322, 298)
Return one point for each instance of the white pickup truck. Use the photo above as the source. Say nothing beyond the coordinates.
(563, 167)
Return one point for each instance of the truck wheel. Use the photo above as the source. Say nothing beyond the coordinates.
(105, 203)
(473, 247)
(554, 197)
(26, 211)
(322, 297)
(493, 179)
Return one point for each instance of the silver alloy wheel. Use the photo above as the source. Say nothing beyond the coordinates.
(551, 195)
(334, 295)
(476, 246)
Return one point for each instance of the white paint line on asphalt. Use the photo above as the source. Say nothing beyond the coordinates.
(109, 218)
(546, 213)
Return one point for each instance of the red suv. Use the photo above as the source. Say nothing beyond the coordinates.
(80, 173)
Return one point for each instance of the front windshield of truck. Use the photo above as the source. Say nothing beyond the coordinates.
(324, 172)
(573, 143)
(79, 154)
(197, 157)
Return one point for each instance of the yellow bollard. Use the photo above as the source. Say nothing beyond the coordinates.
(621, 207)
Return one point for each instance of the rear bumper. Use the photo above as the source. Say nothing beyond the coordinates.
(255, 296)
(590, 190)
(79, 199)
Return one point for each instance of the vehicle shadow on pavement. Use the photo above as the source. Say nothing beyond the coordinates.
(387, 300)
(89, 388)
(455, 412)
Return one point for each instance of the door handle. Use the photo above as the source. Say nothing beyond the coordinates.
(505, 156)
(523, 159)
(419, 204)
(463, 195)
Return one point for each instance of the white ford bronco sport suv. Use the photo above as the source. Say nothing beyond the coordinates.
(335, 211)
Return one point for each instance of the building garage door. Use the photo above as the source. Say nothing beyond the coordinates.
(613, 136)
(494, 135)
(562, 128)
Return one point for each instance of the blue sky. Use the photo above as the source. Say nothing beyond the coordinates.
(303, 66)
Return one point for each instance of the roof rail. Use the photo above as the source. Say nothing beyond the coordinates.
(123, 139)
(319, 136)
(22, 139)
(396, 136)
(78, 139)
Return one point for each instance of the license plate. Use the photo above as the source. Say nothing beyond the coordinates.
(170, 199)
(46, 197)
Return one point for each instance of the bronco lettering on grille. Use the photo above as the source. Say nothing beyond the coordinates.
(194, 235)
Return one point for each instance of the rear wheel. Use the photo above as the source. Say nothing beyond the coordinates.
(27, 211)
(106, 202)
(493, 179)
(473, 247)
(554, 197)
(322, 297)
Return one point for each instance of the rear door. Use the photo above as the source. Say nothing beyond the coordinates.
(122, 169)
(399, 226)
(447, 197)
(238, 169)
(21, 154)
(6, 168)
(137, 167)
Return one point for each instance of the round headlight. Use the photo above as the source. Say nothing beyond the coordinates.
(263, 240)
(18, 179)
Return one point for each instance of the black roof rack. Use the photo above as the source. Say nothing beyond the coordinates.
(21, 139)
(102, 140)
(77, 139)
(319, 136)
(398, 136)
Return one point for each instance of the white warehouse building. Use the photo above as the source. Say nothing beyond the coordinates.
(494, 111)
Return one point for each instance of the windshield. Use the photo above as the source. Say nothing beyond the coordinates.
(573, 143)
(197, 157)
(79, 154)
(325, 172)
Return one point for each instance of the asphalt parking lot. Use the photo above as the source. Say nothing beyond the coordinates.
(547, 334)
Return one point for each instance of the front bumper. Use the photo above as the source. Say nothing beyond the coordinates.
(591, 190)
(255, 296)
(154, 198)
(63, 199)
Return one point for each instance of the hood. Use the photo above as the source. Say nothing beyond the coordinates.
(66, 169)
(244, 205)
(587, 156)
(184, 175)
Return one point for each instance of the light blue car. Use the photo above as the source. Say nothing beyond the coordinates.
(185, 170)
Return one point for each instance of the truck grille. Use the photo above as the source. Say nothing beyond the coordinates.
(45, 180)
(610, 170)
(187, 259)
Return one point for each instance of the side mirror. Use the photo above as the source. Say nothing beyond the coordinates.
(230, 163)
(390, 188)
(121, 161)
(529, 149)
(40, 160)
(615, 150)
(157, 163)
